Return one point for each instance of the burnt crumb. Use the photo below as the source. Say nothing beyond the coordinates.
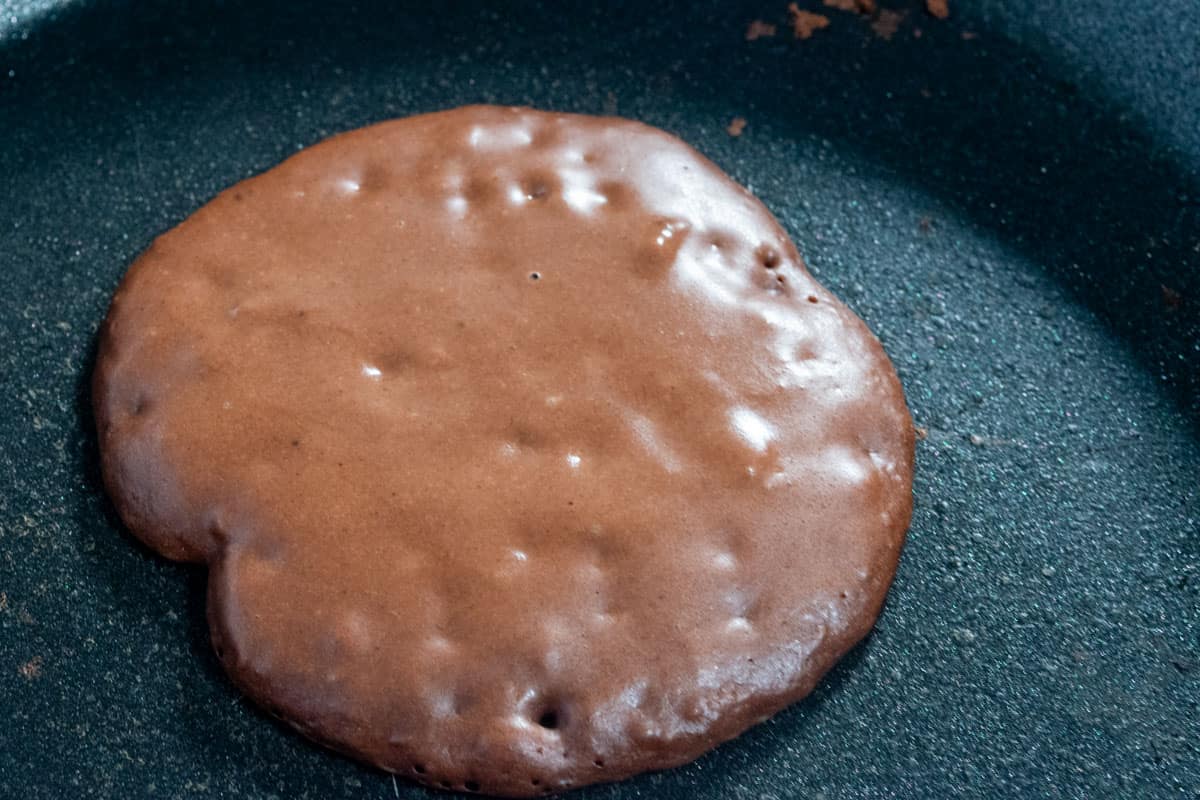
(31, 669)
(938, 8)
(887, 23)
(806, 23)
(736, 126)
(1171, 298)
(921, 433)
(865, 7)
(757, 29)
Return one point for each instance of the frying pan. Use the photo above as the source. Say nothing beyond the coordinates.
(1010, 198)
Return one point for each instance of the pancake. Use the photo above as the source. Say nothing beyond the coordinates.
(522, 449)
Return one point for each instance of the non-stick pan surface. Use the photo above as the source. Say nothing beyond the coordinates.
(1010, 198)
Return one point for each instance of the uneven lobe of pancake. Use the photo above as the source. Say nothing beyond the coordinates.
(522, 448)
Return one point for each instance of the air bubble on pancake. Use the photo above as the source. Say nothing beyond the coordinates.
(768, 256)
(457, 205)
(503, 137)
(741, 603)
(517, 195)
(439, 643)
(718, 241)
(356, 631)
(739, 625)
(371, 371)
(779, 478)
(574, 460)
(520, 556)
(668, 232)
(752, 428)
(646, 432)
(349, 185)
(583, 199)
(724, 561)
(845, 465)
(706, 273)
(659, 242)
(443, 704)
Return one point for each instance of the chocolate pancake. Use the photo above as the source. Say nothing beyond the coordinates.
(522, 448)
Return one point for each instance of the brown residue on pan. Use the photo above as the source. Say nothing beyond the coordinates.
(736, 126)
(805, 23)
(757, 29)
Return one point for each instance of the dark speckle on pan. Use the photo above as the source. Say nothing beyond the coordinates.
(1057, 151)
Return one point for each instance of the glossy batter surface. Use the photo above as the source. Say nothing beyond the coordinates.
(522, 448)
